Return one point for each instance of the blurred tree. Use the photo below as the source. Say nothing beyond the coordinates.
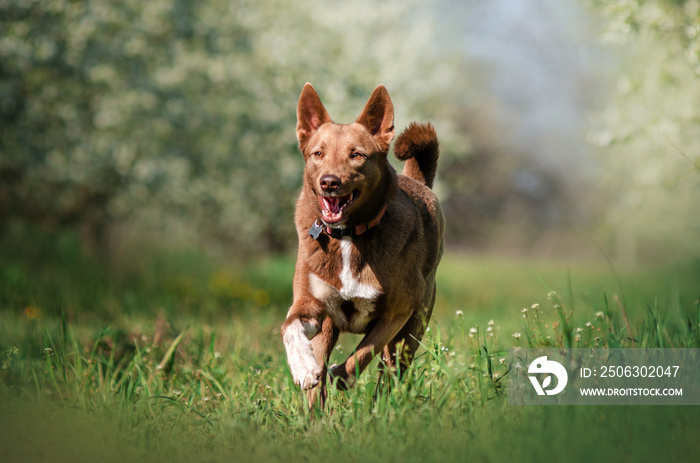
(178, 117)
(649, 134)
(535, 76)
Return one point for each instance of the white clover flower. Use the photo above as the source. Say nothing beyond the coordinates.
(489, 329)
(459, 313)
(523, 310)
(599, 315)
(578, 330)
(472, 332)
(516, 335)
(589, 325)
(535, 306)
(491, 322)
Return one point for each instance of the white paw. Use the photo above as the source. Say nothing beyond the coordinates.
(306, 371)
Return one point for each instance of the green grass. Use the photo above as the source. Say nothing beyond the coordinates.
(173, 356)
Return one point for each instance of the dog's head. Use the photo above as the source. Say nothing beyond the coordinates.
(346, 164)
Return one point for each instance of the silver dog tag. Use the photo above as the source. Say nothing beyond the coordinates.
(315, 230)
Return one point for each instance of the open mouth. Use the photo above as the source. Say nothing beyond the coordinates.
(332, 207)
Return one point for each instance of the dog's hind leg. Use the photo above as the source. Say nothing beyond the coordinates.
(322, 345)
(398, 354)
(345, 374)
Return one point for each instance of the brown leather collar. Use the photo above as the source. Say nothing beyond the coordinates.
(319, 226)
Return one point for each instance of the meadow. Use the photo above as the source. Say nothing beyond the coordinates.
(172, 355)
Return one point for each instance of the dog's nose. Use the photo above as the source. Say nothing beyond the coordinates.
(329, 183)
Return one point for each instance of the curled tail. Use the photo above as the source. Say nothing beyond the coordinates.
(418, 146)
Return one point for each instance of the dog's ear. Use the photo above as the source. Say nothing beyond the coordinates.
(378, 116)
(311, 114)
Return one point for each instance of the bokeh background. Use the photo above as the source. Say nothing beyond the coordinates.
(566, 127)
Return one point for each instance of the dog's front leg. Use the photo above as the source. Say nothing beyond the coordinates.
(322, 345)
(373, 343)
(297, 332)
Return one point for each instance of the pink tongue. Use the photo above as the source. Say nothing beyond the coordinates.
(330, 209)
(333, 204)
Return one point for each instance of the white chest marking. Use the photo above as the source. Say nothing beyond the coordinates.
(352, 287)
(329, 296)
(362, 295)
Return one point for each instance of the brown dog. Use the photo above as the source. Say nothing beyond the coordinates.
(370, 241)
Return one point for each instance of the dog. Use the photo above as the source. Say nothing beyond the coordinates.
(370, 241)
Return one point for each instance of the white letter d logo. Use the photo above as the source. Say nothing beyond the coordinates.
(542, 365)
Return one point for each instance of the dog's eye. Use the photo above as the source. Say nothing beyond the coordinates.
(317, 154)
(356, 154)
